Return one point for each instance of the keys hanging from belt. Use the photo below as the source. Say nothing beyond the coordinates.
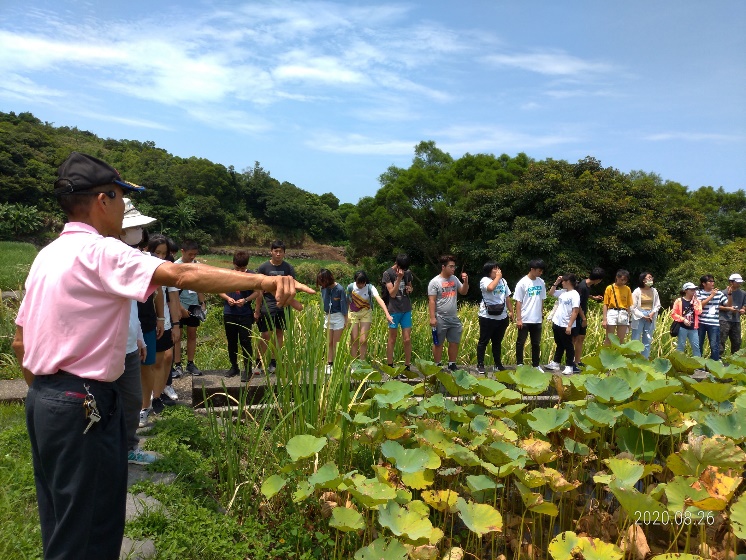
(91, 411)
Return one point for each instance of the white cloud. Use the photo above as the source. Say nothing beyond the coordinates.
(130, 121)
(549, 63)
(19, 88)
(694, 137)
(360, 145)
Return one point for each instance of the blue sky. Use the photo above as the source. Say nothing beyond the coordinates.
(327, 95)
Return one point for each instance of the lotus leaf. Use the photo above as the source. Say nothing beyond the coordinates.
(545, 508)
(564, 545)
(593, 362)
(395, 430)
(642, 420)
(362, 419)
(633, 501)
(634, 378)
(434, 404)
(680, 493)
(382, 549)
(504, 470)
(576, 447)
(403, 496)
(302, 491)
(480, 423)
(462, 455)
(718, 392)
(304, 446)
(722, 372)
(346, 519)
(449, 382)
(557, 482)
(441, 500)
(719, 486)
(626, 472)
(538, 450)
(535, 502)
(530, 478)
(419, 507)
(501, 452)
(406, 460)
(510, 410)
(326, 477)
(403, 522)
(488, 387)
(392, 392)
(683, 363)
(640, 443)
(701, 452)
(659, 389)
(738, 517)
(371, 435)
(611, 358)
(272, 485)
(731, 425)
(372, 492)
(418, 480)
(583, 423)
(684, 403)
(546, 420)
(530, 380)
(500, 430)
(456, 412)
(596, 549)
(677, 556)
(479, 483)
(670, 430)
(609, 389)
(424, 552)
(479, 518)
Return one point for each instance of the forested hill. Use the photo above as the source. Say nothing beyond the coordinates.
(209, 201)
(479, 207)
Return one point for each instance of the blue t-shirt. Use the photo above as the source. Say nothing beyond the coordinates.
(334, 299)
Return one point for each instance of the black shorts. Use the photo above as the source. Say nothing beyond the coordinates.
(272, 321)
(165, 342)
(190, 322)
(579, 330)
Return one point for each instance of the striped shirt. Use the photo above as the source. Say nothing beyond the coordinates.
(710, 312)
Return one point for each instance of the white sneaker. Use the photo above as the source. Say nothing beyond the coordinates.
(328, 369)
(554, 366)
(171, 393)
(541, 369)
(144, 413)
(567, 371)
(139, 457)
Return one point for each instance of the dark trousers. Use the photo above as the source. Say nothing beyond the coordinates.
(564, 346)
(535, 330)
(238, 331)
(730, 331)
(491, 330)
(713, 333)
(81, 480)
(130, 395)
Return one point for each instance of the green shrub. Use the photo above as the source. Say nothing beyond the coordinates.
(18, 221)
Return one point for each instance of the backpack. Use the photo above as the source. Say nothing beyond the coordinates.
(385, 296)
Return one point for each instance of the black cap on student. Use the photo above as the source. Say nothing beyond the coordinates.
(81, 172)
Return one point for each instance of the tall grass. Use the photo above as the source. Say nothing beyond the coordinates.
(16, 259)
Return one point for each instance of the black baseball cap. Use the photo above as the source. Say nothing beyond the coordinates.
(81, 172)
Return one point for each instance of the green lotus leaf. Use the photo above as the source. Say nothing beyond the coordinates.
(683, 363)
(538, 450)
(596, 549)
(509, 410)
(701, 452)
(479, 518)
(456, 412)
(530, 380)
(393, 392)
(362, 419)
(304, 446)
(557, 481)
(738, 517)
(731, 425)
(626, 472)
(718, 392)
(601, 415)
(479, 483)
(663, 430)
(633, 501)
(611, 358)
(480, 423)
(584, 424)
(418, 480)
(609, 389)
(273, 485)
(500, 430)
(434, 404)
(530, 478)
(576, 447)
(740, 402)
(642, 420)
(440, 500)
(372, 492)
(640, 443)
(462, 455)
(346, 519)
(395, 430)
(326, 477)
(546, 420)
(501, 453)
(382, 549)
(659, 389)
(634, 378)
(662, 365)
(488, 387)
(302, 491)
(406, 460)
(449, 382)
(419, 507)
(564, 545)
(684, 403)
(403, 522)
(465, 380)
(403, 496)
(545, 508)
(426, 368)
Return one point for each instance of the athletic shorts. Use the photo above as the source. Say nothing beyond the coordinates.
(334, 321)
(403, 320)
(362, 316)
(165, 342)
(449, 330)
(190, 322)
(271, 321)
(617, 317)
(150, 340)
(579, 329)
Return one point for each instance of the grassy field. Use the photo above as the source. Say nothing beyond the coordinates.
(16, 259)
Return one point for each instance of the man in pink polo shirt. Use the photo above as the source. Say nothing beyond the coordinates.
(71, 338)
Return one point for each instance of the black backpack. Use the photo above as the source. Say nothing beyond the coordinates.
(385, 296)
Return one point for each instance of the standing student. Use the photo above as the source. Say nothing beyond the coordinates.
(360, 296)
(645, 306)
(238, 318)
(709, 322)
(581, 323)
(529, 296)
(397, 281)
(617, 305)
(71, 357)
(687, 310)
(730, 315)
(495, 312)
(442, 294)
(190, 320)
(269, 316)
(568, 308)
(334, 300)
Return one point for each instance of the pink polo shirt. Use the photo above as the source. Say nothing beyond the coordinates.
(75, 314)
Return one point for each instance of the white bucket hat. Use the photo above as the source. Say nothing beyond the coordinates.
(735, 278)
(133, 217)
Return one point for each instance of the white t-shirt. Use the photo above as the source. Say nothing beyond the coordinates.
(566, 302)
(359, 297)
(531, 294)
(498, 295)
